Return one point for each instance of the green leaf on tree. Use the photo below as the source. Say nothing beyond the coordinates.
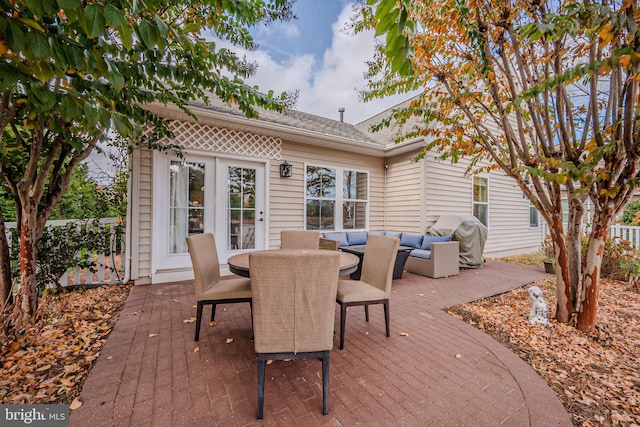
(96, 22)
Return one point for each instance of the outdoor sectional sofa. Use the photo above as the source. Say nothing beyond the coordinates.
(433, 256)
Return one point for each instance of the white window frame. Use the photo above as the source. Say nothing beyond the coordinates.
(474, 202)
(533, 210)
(339, 198)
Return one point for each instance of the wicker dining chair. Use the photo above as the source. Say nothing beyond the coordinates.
(299, 239)
(210, 289)
(374, 286)
(294, 309)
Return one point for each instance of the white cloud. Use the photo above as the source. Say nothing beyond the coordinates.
(331, 84)
(289, 29)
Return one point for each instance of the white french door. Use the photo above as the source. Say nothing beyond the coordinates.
(240, 200)
(201, 194)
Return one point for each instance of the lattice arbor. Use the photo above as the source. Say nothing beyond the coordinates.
(211, 138)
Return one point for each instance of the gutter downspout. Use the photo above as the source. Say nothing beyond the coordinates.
(384, 204)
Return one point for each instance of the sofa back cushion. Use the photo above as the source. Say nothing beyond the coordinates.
(341, 237)
(412, 240)
(429, 239)
(357, 238)
(393, 234)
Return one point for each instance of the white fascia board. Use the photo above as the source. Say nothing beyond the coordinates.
(413, 144)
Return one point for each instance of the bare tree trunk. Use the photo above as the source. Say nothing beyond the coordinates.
(5, 265)
(587, 298)
(563, 290)
(26, 301)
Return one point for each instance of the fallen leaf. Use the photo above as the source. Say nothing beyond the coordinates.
(197, 349)
(153, 335)
(189, 320)
(404, 334)
(77, 403)
(269, 362)
(229, 340)
(458, 356)
(213, 323)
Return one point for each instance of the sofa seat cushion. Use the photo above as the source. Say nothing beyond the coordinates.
(341, 237)
(393, 234)
(411, 240)
(429, 239)
(421, 253)
(357, 238)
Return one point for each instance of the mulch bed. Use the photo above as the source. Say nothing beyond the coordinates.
(597, 376)
(51, 360)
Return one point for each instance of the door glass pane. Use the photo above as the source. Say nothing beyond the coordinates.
(186, 203)
(241, 185)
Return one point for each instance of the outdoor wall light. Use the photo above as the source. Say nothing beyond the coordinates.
(285, 169)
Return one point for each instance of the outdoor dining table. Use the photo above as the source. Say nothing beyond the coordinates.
(239, 264)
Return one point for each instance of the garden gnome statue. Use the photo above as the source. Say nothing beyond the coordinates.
(539, 312)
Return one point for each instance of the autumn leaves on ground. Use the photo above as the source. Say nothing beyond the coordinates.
(596, 377)
(50, 362)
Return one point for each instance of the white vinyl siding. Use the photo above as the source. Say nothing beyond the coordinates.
(448, 191)
(404, 205)
(287, 195)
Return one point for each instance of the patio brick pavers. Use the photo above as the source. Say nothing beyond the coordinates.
(443, 373)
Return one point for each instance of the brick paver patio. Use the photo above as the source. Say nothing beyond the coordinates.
(442, 373)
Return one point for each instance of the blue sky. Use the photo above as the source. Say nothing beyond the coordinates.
(319, 56)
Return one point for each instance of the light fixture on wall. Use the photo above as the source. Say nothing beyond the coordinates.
(285, 170)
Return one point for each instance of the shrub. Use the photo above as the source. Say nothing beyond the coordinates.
(62, 248)
(620, 260)
(630, 212)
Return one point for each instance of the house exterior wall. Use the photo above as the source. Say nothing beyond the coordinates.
(405, 201)
(285, 207)
(286, 195)
(448, 190)
(141, 215)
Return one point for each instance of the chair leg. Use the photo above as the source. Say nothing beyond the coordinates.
(325, 382)
(366, 313)
(251, 312)
(198, 319)
(261, 366)
(386, 316)
(343, 318)
(213, 312)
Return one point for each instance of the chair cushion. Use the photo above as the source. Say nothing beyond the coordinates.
(228, 289)
(421, 253)
(341, 237)
(356, 290)
(429, 239)
(357, 238)
(412, 240)
(377, 233)
(393, 234)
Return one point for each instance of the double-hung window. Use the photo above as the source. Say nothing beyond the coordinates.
(481, 199)
(327, 208)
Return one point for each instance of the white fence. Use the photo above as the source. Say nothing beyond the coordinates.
(108, 265)
(626, 232)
